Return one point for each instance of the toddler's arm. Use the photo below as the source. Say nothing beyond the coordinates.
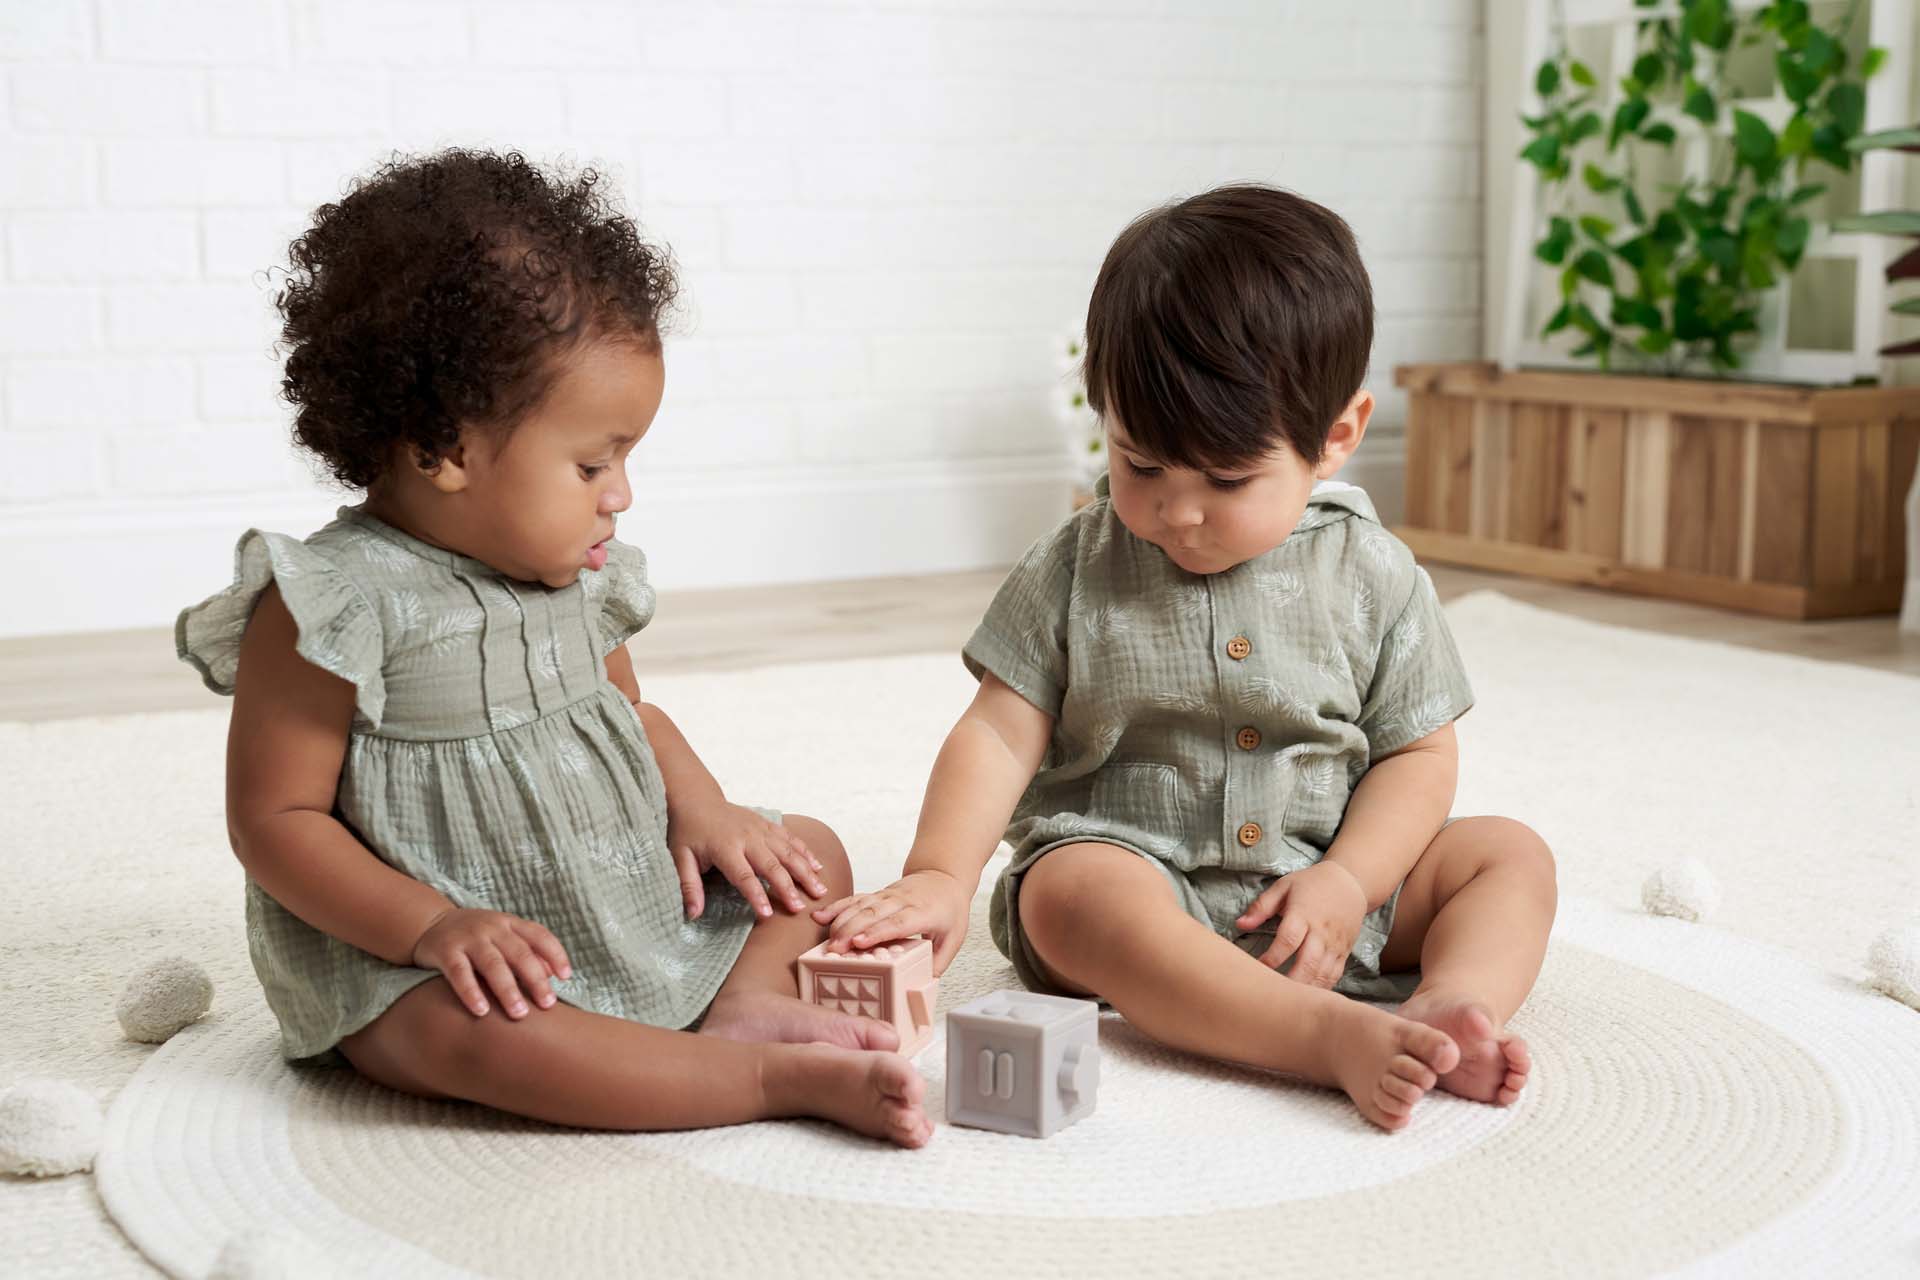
(284, 750)
(705, 830)
(1400, 805)
(982, 769)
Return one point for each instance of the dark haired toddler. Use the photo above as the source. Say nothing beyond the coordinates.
(1215, 717)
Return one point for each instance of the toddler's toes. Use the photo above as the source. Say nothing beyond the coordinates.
(1432, 1046)
(907, 1126)
(1413, 1071)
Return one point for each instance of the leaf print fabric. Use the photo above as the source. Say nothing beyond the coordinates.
(1348, 658)
(490, 757)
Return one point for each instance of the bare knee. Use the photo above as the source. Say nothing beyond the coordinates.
(427, 1043)
(1517, 849)
(1069, 890)
(835, 870)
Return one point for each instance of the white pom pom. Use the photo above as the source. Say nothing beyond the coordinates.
(162, 998)
(1685, 889)
(1894, 963)
(268, 1253)
(47, 1128)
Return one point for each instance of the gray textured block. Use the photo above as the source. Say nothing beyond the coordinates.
(1022, 1063)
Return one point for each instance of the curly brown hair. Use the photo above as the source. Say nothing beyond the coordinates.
(443, 290)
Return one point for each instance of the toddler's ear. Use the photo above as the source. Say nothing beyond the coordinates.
(448, 472)
(1344, 436)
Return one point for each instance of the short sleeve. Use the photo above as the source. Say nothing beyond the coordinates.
(1023, 637)
(1419, 683)
(339, 632)
(626, 597)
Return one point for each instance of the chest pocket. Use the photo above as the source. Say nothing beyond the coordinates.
(1147, 803)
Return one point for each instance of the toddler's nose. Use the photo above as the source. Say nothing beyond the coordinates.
(1181, 515)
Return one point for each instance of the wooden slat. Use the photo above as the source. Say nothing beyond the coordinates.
(1536, 476)
(1905, 459)
(1423, 408)
(1783, 494)
(1597, 571)
(1488, 515)
(1836, 466)
(1749, 498)
(1643, 528)
(1870, 502)
(1456, 468)
(1596, 502)
(1785, 405)
(1689, 488)
(1723, 498)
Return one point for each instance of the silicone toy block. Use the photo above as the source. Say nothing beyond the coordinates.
(1021, 1062)
(893, 982)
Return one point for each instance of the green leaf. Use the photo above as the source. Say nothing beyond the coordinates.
(1669, 230)
(1906, 307)
(1647, 69)
(1547, 79)
(1889, 223)
(1635, 210)
(1790, 240)
(1593, 265)
(1721, 249)
(1627, 117)
(1803, 194)
(1637, 312)
(1700, 105)
(1871, 63)
(1598, 180)
(1707, 22)
(1848, 103)
(1558, 320)
(1797, 138)
(1543, 152)
(1554, 245)
(1822, 53)
(1598, 228)
(1654, 342)
(1753, 141)
(1581, 75)
(1584, 126)
(1796, 81)
(1660, 132)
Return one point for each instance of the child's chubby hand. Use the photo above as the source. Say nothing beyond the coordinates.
(516, 958)
(746, 848)
(1320, 909)
(932, 903)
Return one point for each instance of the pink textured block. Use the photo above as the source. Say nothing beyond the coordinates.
(893, 982)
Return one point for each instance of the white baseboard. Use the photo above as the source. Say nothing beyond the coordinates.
(72, 568)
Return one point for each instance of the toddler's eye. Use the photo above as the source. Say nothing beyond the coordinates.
(1137, 469)
(590, 470)
(1225, 482)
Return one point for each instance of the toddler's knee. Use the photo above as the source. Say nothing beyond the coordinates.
(1520, 846)
(835, 868)
(1051, 894)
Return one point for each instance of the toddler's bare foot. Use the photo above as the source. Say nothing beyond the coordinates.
(878, 1094)
(1385, 1063)
(765, 1016)
(1493, 1065)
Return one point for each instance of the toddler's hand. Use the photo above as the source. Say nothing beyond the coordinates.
(932, 903)
(511, 954)
(747, 849)
(1320, 909)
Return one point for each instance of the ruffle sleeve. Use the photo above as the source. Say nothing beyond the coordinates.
(339, 631)
(625, 595)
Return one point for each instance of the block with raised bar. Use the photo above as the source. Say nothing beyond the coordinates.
(1021, 1062)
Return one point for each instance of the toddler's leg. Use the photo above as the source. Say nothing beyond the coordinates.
(1105, 922)
(760, 1000)
(1474, 916)
(568, 1066)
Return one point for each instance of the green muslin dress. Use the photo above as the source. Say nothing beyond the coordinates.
(1216, 724)
(489, 757)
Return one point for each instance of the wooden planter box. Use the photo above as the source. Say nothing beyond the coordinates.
(1778, 500)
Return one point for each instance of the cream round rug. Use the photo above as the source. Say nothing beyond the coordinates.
(1700, 1103)
(1716, 1099)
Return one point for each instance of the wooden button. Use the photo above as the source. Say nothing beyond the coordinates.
(1239, 647)
(1250, 834)
(1248, 738)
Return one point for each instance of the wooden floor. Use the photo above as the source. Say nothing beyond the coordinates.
(115, 673)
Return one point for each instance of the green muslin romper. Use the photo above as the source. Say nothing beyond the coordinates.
(489, 757)
(1216, 724)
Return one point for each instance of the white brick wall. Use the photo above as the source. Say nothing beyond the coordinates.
(883, 212)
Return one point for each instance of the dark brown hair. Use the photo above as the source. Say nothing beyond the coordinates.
(446, 289)
(1226, 322)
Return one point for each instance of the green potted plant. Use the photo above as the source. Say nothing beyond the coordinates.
(1674, 198)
